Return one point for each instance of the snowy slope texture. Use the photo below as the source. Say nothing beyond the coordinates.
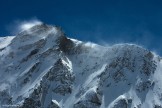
(42, 68)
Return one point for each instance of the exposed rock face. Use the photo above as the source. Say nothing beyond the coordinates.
(90, 99)
(5, 97)
(42, 68)
(120, 103)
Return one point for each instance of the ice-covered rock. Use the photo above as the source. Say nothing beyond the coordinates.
(42, 68)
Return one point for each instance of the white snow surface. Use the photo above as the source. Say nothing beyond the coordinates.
(5, 41)
(42, 65)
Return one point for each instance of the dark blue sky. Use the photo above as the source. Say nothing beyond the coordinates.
(101, 21)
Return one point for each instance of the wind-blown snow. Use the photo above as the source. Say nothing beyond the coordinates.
(27, 25)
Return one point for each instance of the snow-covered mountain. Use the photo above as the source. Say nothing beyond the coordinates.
(42, 68)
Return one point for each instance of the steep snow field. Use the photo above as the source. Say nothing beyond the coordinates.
(4, 41)
(42, 68)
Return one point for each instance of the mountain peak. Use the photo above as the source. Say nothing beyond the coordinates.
(49, 35)
(41, 67)
(37, 29)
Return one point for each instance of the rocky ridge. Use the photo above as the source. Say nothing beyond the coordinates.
(42, 68)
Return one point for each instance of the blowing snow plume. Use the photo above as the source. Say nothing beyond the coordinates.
(28, 24)
(21, 25)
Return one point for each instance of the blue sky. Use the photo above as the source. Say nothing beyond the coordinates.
(100, 21)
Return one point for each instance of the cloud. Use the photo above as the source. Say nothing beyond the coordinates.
(20, 25)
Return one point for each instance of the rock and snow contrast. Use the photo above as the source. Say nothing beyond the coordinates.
(42, 68)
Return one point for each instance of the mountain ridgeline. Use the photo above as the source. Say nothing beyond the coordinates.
(42, 68)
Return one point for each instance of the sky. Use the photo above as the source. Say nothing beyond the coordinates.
(104, 22)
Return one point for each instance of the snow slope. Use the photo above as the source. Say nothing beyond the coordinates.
(42, 68)
(4, 41)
